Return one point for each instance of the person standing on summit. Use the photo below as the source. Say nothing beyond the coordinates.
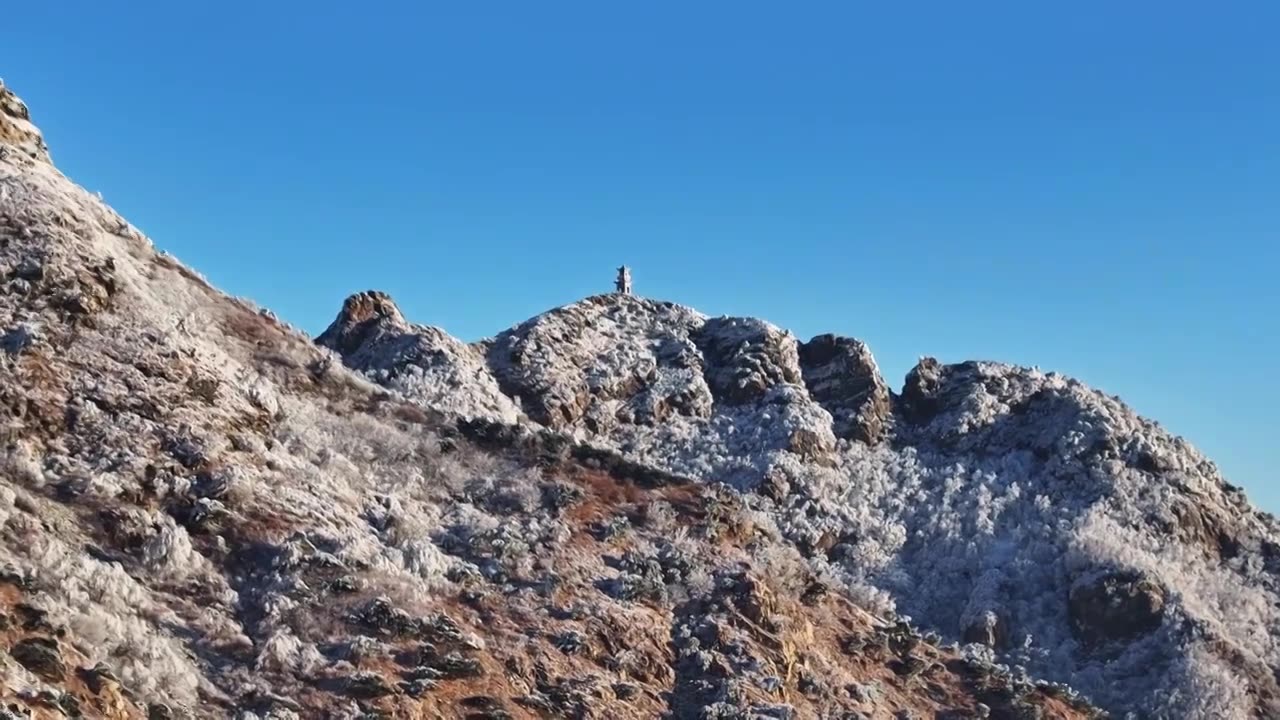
(623, 283)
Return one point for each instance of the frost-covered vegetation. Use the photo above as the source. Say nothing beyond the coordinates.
(620, 508)
(994, 504)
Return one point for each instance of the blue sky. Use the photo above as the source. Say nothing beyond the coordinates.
(1091, 187)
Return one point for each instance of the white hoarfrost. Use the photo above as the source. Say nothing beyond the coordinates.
(186, 481)
(420, 361)
(146, 388)
(623, 372)
(999, 492)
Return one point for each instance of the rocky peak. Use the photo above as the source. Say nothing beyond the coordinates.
(920, 391)
(702, 397)
(843, 377)
(363, 315)
(189, 484)
(984, 457)
(16, 128)
(425, 363)
(746, 357)
(584, 364)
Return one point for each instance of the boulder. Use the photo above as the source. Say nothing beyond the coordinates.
(745, 357)
(920, 393)
(1115, 606)
(841, 375)
(988, 629)
(40, 655)
(368, 686)
(814, 444)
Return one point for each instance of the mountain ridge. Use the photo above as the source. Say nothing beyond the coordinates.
(668, 381)
(204, 513)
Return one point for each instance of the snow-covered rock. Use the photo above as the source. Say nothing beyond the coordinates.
(992, 503)
(712, 398)
(842, 376)
(198, 501)
(16, 130)
(422, 362)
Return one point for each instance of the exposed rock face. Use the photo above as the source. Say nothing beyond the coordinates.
(920, 392)
(745, 358)
(1115, 607)
(40, 656)
(842, 377)
(17, 134)
(608, 359)
(973, 500)
(987, 629)
(1218, 533)
(365, 319)
(203, 515)
(425, 363)
(700, 397)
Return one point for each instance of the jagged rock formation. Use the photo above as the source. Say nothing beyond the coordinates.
(996, 505)
(202, 514)
(619, 508)
(17, 134)
(842, 376)
(709, 398)
(372, 336)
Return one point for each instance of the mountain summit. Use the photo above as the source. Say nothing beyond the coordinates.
(994, 504)
(619, 508)
(725, 399)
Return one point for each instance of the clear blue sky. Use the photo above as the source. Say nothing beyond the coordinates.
(1092, 188)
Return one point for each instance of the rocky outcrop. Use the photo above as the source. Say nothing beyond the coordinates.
(746, 357)
(366, 319)
(425, 363)
(40, 655)
(920, 392)
(620, 508)
(17, 133)
(1114, 607)
(988, 629)
(1217, 532)
(628, 373)
(659, 382)
(604, 360)
(842, 377)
